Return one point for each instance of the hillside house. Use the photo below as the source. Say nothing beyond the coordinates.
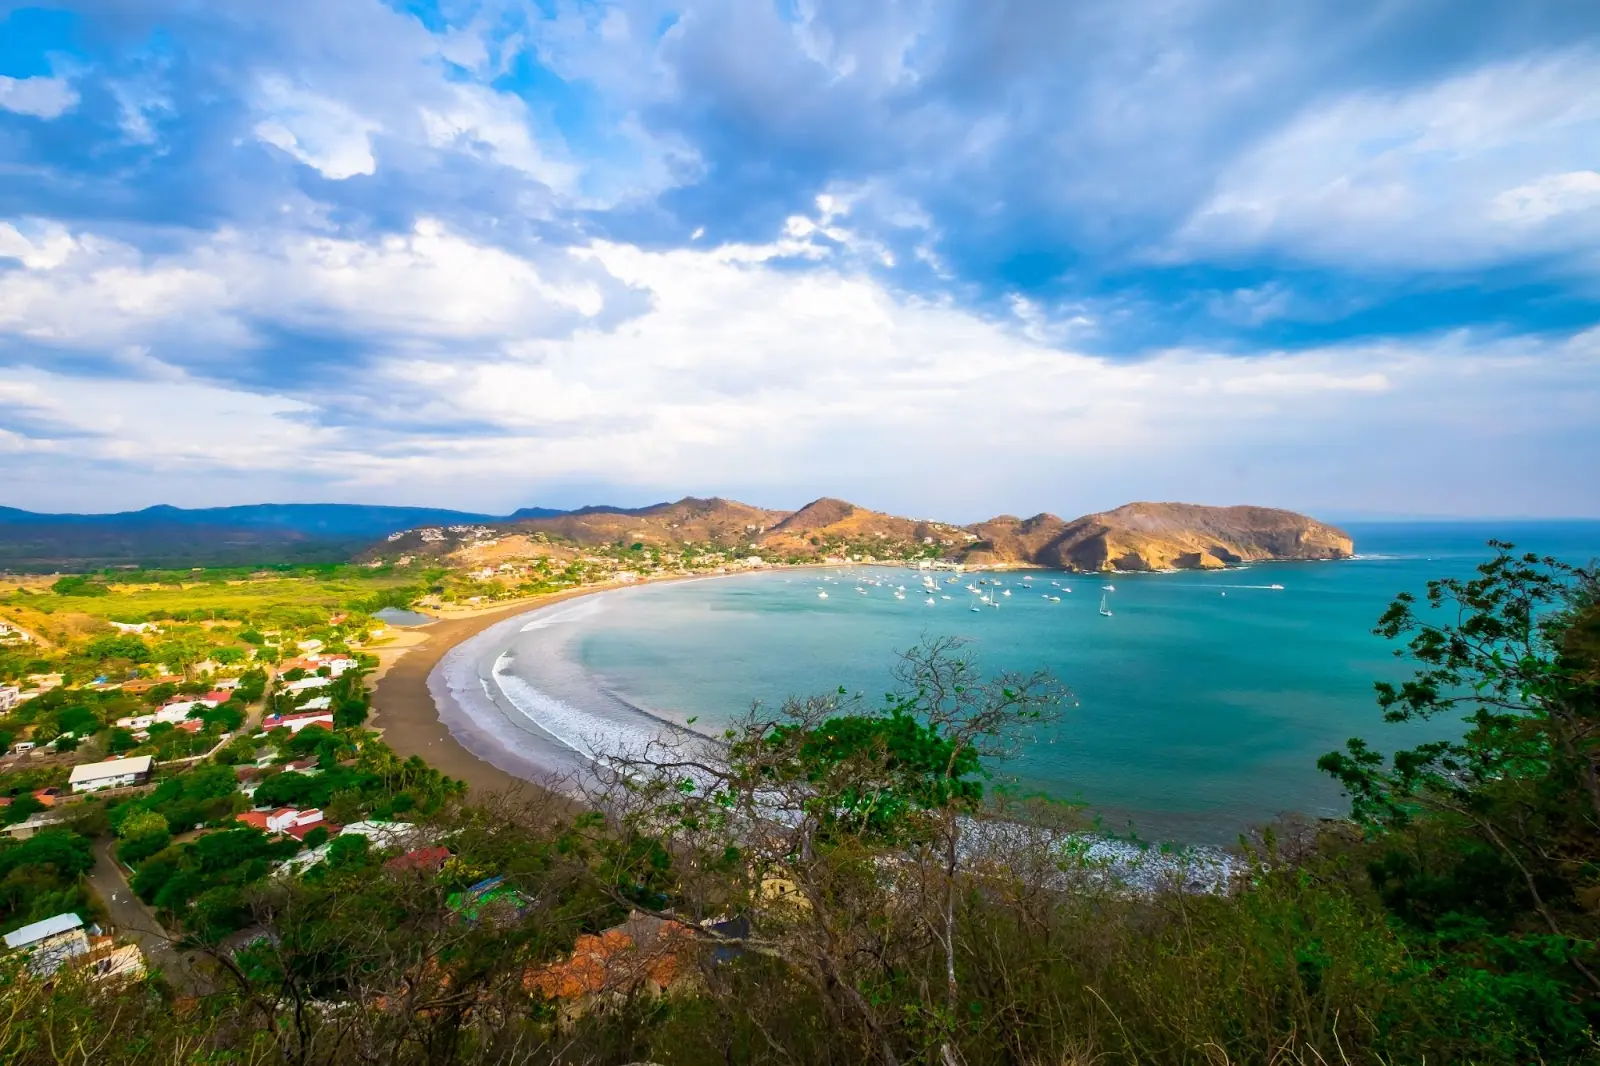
(112, 773)
(316, 716)
(51, 943)
(306, 683)
(286, 821)
(10, 696)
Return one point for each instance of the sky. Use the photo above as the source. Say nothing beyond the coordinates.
(939, 257)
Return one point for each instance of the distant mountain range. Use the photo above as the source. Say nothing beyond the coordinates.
(1138, 536)
(210, 536)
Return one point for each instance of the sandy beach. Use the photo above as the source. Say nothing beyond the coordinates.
(403, 709)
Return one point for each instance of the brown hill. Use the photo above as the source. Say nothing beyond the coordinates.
(1008, 539)
(835, 525)
(1160, 536)
(715, 521)
(1138, 536)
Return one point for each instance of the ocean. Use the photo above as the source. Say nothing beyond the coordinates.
(1200, 705)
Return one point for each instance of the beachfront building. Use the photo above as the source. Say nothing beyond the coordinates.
(113, 773)
(51, 943)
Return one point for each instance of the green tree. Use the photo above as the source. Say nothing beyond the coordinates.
(1491, 836)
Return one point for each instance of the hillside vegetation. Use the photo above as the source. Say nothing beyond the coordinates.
(842, 881)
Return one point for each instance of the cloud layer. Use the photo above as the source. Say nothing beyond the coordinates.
(941, 257)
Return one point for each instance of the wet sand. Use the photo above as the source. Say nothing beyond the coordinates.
(403, 709)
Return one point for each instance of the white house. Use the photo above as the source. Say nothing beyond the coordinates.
(10, 696)
(113, 773)
(308, 683)
(296, 722)
(51, 943)
(320, 703)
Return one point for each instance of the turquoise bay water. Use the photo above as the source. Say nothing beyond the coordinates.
(1202, 705)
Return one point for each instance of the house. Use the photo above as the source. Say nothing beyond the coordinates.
(47, 796)
(320, 703)
(422, 860)
(51, 943)
(644, 954)
(113, 773)
(308, 645)
(337, 666)
(306, 683)
(287, 821)
(34, 823)
(136, 627)
(224, 684)
(318, 716)
(10, 696)
(217, 696)
(108, 962)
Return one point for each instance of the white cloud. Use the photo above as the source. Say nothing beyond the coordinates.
(320, 132)
(1549, 197)
(88, 292)
(1447, 175)
(494, 125)
(740, 373)
(164, 426)
(39, 96)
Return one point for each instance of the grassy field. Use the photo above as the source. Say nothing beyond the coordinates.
(303, 596)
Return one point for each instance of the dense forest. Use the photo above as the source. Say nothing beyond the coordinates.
(838, 882)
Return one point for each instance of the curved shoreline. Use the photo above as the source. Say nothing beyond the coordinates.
(407, 713)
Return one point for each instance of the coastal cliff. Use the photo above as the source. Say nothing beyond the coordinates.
(1158, 536)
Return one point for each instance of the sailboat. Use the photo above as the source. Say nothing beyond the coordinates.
(1103, 608)
(822, 595)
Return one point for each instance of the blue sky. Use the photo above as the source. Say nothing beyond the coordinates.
(938, 257)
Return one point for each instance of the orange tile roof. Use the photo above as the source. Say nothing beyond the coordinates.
(642, 952)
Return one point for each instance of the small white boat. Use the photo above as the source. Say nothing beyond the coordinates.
(930, 601)
(1109, 588)
(1103, 608)
(975, 607)
(822, 595)
(944, 597)
(861, 590)
(1007, 592)
(1278, 587)
(899, 595)
(1053, 599)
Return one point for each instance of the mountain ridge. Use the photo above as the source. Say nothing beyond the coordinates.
(1135, 536)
